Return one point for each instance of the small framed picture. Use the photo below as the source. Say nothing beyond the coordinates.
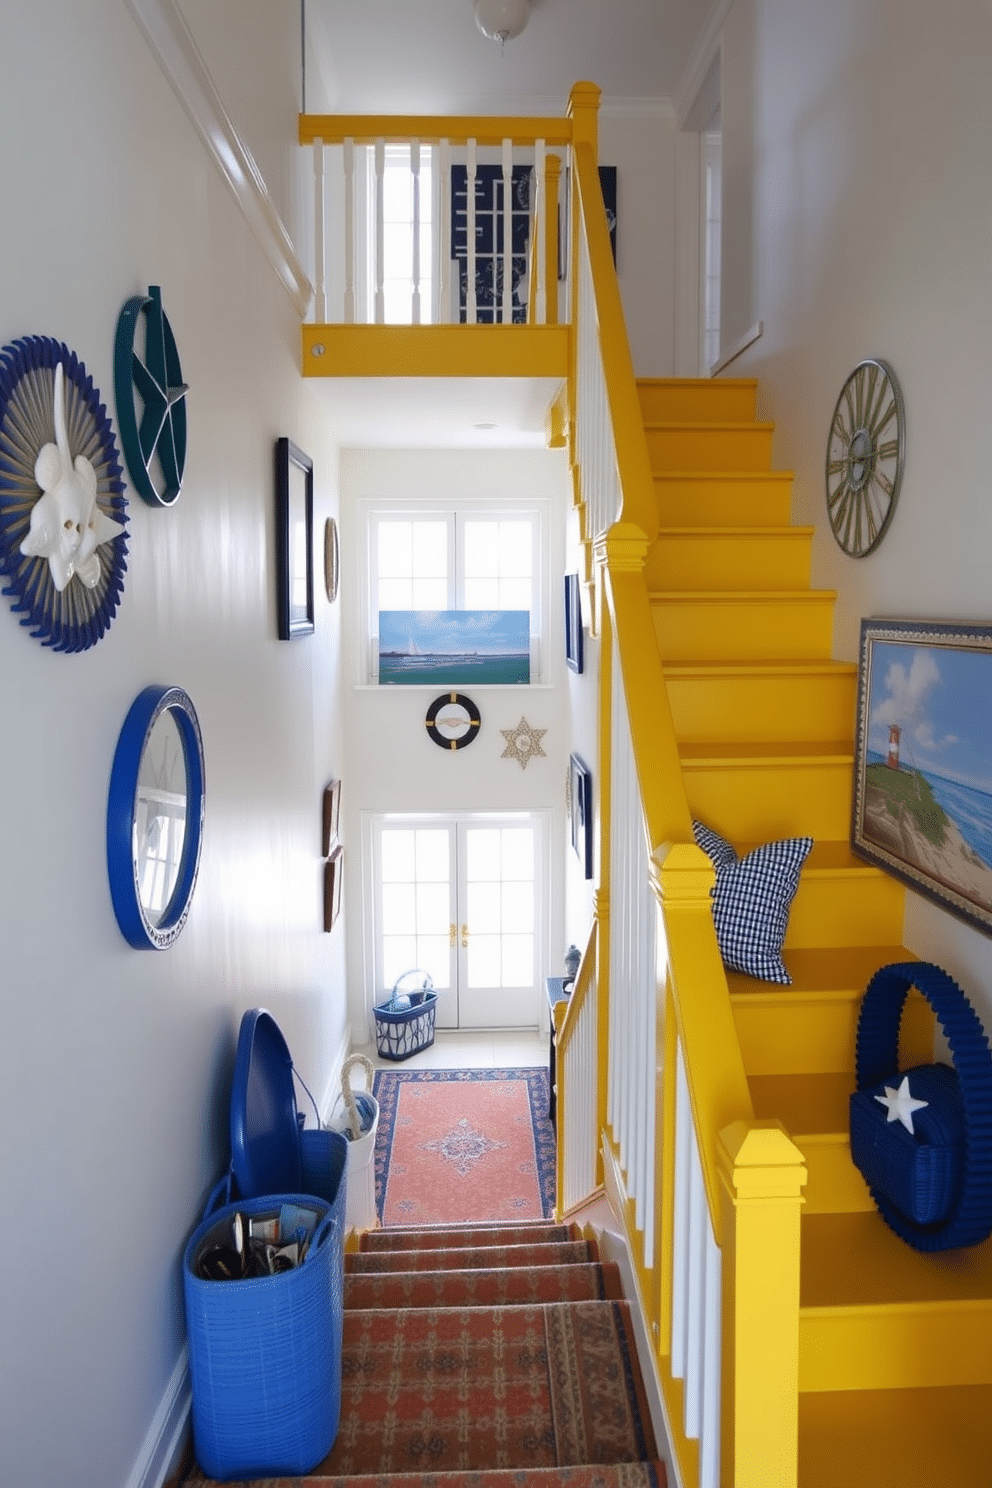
(294, 540)
(580, 782)
(333, 875)
(331, 816)
(573, 623)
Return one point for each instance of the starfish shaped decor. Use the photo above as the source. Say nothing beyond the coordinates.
(901, 1104)
(523, 743)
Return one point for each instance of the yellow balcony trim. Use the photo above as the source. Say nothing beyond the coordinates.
(435, 351)
(456, 128)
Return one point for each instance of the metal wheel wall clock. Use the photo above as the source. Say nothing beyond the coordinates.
(865, 454)
(151, 399)
(63, 542)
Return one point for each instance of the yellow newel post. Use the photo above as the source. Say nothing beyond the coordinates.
(583, 110)
(762, 1173)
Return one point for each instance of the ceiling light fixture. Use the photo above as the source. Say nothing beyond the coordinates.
(501, 20)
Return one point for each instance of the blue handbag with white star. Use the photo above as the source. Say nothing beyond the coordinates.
(922, 1138)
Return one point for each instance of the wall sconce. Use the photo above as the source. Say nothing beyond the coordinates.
(501, 20)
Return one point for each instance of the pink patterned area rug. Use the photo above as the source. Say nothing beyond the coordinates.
(463, 1146)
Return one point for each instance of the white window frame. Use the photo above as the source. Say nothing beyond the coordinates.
(456, 513)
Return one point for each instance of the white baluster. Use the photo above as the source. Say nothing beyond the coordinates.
(415, 274)
(319, 256)
(680, 1221)
(470, 172)
(709, 1439)
(380, 170)
(506, 309)
(542, 214)
(444, 236)
(349, 232)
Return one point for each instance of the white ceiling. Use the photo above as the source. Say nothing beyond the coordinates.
(427, 56)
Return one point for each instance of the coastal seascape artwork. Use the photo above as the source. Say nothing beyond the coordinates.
(454, 646)
(923, 760)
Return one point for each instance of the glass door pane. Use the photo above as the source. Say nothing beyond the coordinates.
(417, 910)
(498, 931)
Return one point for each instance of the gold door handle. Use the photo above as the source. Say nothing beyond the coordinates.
(465, 937)
(452, 934)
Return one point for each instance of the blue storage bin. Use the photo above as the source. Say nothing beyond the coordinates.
(265, 1353)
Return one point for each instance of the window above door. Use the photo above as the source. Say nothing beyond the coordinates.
(455, 557)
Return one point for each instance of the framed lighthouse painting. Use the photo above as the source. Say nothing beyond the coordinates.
(922, 803)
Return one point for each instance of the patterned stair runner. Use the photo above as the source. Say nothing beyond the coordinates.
(507, 1363)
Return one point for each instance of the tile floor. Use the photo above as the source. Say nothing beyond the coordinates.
(492, 1049)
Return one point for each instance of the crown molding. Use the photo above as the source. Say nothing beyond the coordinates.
(173, 47)
(701, 61)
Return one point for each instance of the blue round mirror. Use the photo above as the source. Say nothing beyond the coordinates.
(155, 817)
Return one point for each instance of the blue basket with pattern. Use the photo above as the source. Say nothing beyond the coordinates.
(405, 1024)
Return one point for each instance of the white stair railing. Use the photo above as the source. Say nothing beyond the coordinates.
(351, 281)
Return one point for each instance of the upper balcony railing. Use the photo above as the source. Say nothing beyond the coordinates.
(441, 220)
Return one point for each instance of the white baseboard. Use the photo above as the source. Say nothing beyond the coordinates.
(162, 1449)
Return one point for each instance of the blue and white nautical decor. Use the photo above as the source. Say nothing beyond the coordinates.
(922, 1138)
(63, 539)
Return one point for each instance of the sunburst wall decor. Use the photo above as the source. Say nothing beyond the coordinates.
(63, 539)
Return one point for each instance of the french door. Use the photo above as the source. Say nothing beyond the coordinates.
(461, 897)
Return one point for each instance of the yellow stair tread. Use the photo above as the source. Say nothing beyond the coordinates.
(696, 382)
(835, 971)
(855, 1260)
(712, 671)
(917, 1438)
(765, 751)
(736, 596)
(742, 534)
(710, 425)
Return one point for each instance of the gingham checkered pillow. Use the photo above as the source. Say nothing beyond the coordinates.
(751, 901)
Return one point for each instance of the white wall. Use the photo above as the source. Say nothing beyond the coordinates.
(857, 222)
(391, 763)
(115, 1064)
(641, 143)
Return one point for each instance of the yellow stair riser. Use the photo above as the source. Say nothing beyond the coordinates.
(745, 627)
(711, 559)
(846, 909)
(731, 499)
(777, 799)
(701, 400)
(710, 446)
(833, 1183)
(780, 705)
(919, 1438)
(895, 1346)
(784, 1031)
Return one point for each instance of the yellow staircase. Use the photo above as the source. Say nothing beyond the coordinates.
(895, 1360)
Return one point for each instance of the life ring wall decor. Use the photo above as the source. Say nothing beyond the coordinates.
(969, 1217)
(452, 720)
(63, 538)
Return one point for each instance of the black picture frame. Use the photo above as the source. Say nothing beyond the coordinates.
(294, 541)
(922, 760)
(573, 623)
(580, 795)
